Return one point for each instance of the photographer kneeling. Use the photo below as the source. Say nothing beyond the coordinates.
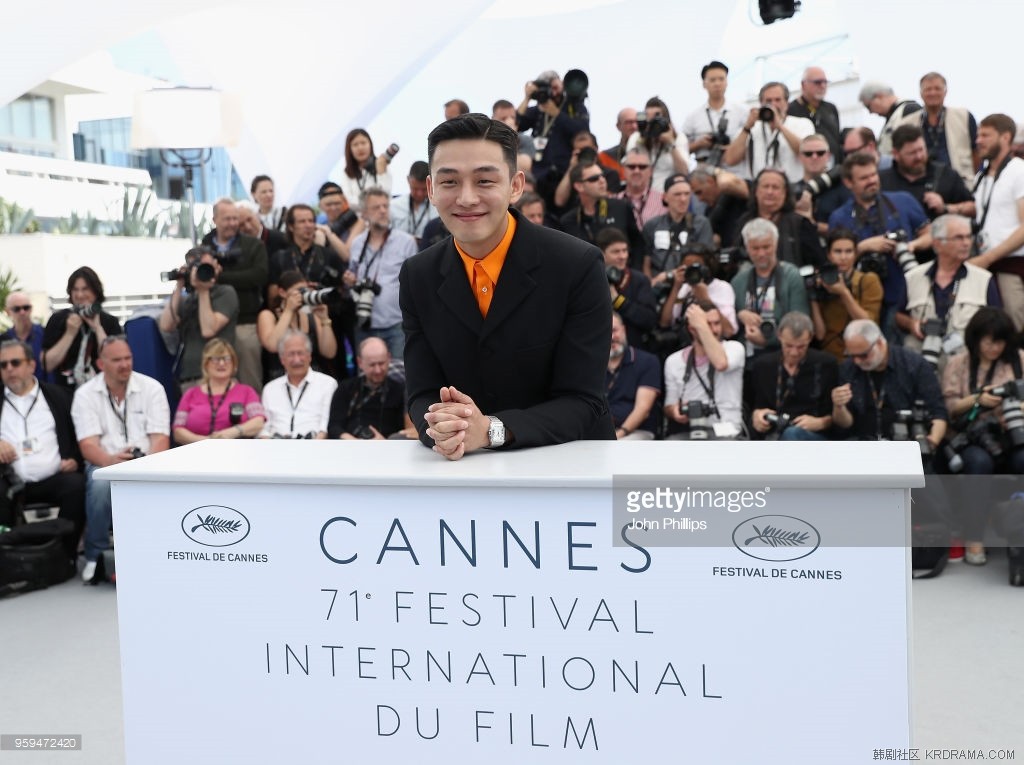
(982, 389)
(842, 293)
(704, 383)
(200, 310)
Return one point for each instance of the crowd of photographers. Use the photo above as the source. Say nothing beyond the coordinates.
(772, 277)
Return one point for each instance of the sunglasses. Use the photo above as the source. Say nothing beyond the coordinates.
(15, 363)
(815, 153)
(19, 308)
(860, 356)
(636, 167)
(592, 179)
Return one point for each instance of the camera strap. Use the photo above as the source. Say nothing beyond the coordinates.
(32, 406)
(942, 308)
(121, 413)
(691, 370)
(414, 219)
(373, 256)
(214, 408)
(294, 405)
(364, 396)
(782, 395)
(756, 296)
(878, 397)
(982, 175)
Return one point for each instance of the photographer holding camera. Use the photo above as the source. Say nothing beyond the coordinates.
(715, 125)
(842, 294)
(72, 336)
(984, 405)
(819, 193)
(243, 260)
(942, 296)
(668, 150)
(935, 185)
(377, 257)
(799, 243)
(884, 223)
(766, 290)
(694, 281)
(632, 297)
(372, 405)
(666, 237)
(558, 114)
(199, 309)
(704, 383)
(770, 138)
(294, 305)
(878, 382)
(792, 387)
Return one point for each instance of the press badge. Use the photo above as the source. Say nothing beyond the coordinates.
(29, 447)
(662, 240)
(953, 343)
(684, 237)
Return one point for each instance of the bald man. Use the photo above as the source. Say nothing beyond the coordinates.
(811, 104)
(19, 309)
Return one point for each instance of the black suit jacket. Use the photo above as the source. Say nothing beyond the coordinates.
(59, 401)
(538, 360)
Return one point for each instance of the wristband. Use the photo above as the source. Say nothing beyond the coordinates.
(617, 304)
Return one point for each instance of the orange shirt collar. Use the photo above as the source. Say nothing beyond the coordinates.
(493, 261)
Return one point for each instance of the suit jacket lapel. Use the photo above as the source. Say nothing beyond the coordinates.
(455, 291)
(515, 282)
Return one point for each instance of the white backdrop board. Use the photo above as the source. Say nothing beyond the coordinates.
(319, 602)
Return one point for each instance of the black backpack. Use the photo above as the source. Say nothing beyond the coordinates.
(34, 556)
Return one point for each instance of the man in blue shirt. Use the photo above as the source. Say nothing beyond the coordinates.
(872, 214)
(19, 308)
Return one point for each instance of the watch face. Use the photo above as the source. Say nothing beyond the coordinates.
(496, 432)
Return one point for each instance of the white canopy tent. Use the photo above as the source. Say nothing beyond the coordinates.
(306, 72)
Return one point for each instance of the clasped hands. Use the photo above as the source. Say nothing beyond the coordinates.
(456, 424)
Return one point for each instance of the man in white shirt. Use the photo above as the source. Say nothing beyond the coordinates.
(773, 142)
(39, 457)
(710, 374)
(411, 213)
(119, 415)
(999, 200)
(716, 121)
(298, 404)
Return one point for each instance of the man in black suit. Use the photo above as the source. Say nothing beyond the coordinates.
(39, 456)
(527, 369)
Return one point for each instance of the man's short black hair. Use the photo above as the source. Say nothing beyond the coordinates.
(712, 65)
(501, 103)
(476, 126)
(606, 237)
(905, 134)
(419, 171)
(857, 159)
(576, 174)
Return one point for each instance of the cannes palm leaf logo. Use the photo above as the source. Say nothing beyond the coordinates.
(216, 525)
(774, 537)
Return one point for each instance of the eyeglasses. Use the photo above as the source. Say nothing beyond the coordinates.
(815, 153)
(15, 363)
(819, 83)
(220, 359)
(636, 167)
(19, 308)
(958, 238)
(592, 179)
(860, 356)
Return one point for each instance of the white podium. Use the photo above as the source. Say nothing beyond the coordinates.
(323, 602)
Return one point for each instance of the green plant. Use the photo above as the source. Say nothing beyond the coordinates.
(135, 217)
(14, 220)
(77, 225)
(8, 284)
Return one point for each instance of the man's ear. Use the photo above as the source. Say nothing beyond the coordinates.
(518, 186)
(430, 188)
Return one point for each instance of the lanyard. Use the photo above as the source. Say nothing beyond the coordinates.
(879, 399)
(215, 408)
(415, 221)
(711, 123)
(780, 395)
(942, 310)
(759, 296)
(30, 408)
(373, 255)
(294, 406)
(691, 369)
(120, 413)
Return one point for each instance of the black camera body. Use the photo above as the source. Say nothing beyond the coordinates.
(827, 273)
(614, 275)
(768, 329)
(697, 410)
(695, 273)
(766, 113)
(873, 263)
(651, 128)
(15, 483)
(912, 425)
(543, 92)
(137, 452)
(779, 422)
(87, 311)
(363, 432)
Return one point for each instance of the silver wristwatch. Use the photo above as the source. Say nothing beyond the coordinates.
(495, 433)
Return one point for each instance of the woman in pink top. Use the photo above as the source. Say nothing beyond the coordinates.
(220, 406)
